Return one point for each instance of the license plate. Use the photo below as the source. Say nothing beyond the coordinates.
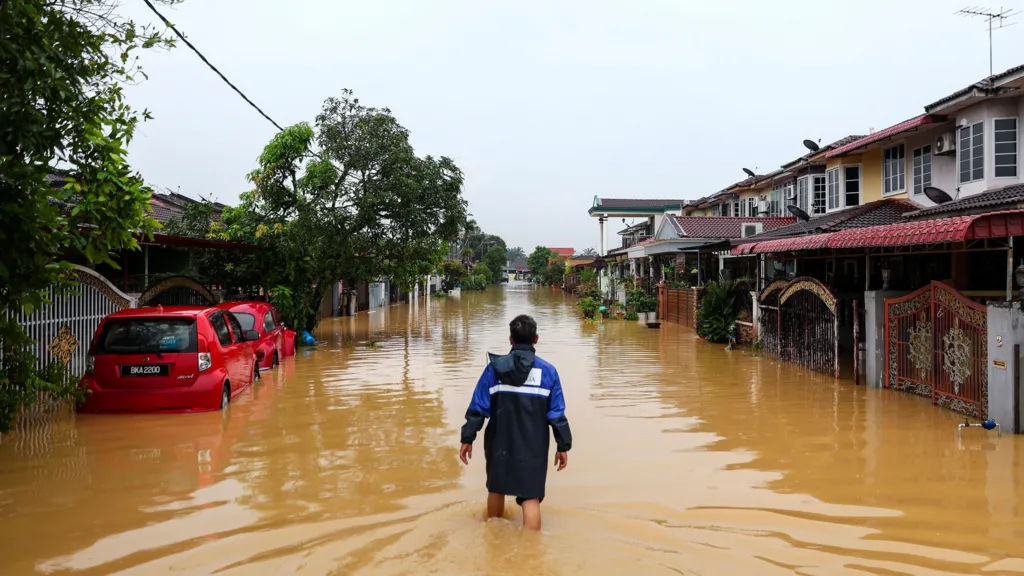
(146, 370)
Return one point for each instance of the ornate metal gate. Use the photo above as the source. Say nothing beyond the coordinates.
(808, 327)
(936, 345)
(63, 328)
(768, 305)
(177, 291)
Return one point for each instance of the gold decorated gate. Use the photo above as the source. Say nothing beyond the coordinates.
(936, 345)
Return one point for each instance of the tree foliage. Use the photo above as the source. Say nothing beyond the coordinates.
(515, 253)
(454, 273)
(62, 108)
(496, 263)
(346, 198)
(538, 263)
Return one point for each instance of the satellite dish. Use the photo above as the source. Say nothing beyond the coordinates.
(937, 195)
(798, 212)
(811, 145)
(749, 172)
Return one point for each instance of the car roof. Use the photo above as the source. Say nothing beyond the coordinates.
(151, 311)
(245, 306)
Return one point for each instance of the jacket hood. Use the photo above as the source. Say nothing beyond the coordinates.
(514, 368)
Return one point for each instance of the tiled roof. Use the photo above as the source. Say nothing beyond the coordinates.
(1007, 197)
(984, 84)
(725, 226)
(823, 150)
(875, 213)
(638, 203)
(905, 126)
(563, 251)
(923, 232)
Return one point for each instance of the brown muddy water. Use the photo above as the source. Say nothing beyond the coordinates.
(687, 460)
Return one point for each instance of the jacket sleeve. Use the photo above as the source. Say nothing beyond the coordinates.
(479, 406)
(556, 417)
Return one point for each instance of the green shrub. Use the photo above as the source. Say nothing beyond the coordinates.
(631, 316)
(476, 282)
(589, 290)
(588, 307)
(716, 318)
(588, 275)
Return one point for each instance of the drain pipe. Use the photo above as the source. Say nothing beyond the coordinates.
(987, 425)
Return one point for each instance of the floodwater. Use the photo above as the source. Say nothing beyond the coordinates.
(687, 459)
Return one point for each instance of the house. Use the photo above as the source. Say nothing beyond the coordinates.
(650, 213)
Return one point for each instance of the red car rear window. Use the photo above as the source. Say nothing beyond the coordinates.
(142, 335)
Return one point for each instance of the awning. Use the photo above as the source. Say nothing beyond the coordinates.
(189, 242)
(924, 232)
(905, 126)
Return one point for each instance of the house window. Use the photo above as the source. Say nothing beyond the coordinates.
(801, 193)
(922, 169)
(818, 191)
(736, 208)
(851, 184)
(741, 207)
(894, 170)
(781, 194)
(1006, 147)
(752, 207)
(972, 153)
(832, 178)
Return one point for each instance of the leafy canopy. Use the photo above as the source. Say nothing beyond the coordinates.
(62, 107)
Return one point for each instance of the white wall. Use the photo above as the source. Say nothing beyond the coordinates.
(944, 167)
(986, 112)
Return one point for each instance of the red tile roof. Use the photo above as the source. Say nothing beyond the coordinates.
(563, 251)
(726, 226)
(905, 126)
(955, 229)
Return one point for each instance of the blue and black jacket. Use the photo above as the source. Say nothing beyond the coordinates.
(522, 397)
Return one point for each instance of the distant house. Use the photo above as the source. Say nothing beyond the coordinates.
(563, 252)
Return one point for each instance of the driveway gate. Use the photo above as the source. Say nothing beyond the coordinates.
(936, 345)
(64, 327)
(808, 327)
(177, 291)
(768, 304)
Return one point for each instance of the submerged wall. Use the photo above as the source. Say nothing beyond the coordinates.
(1005, 389)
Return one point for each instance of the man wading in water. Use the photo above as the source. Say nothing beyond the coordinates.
(522, 396)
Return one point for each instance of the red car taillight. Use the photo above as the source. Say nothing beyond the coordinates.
(205, 362)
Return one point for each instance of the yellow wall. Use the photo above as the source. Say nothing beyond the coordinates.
(871, 174)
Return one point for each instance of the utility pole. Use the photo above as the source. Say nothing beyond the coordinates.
(1000, 18)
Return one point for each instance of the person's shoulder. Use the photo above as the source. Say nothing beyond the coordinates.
(544, 365)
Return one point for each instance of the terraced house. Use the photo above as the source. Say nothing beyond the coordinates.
(902, 263)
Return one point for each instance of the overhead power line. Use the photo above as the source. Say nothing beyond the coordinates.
(211, 66)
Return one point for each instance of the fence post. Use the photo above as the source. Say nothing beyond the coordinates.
(856, 346)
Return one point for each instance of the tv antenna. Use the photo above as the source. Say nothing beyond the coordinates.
(996, 21)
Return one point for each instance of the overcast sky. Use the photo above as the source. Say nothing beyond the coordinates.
(545, 104)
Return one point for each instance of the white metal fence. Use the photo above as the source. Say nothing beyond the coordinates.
(63, 328)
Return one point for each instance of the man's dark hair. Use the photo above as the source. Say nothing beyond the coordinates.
(523, 329)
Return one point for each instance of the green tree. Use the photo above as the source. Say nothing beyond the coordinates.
(588, 252)
(62, 107)
(496, 263)
(538, 262)
(485, 271)
(454, 273)
(361, 206)
(516, 253)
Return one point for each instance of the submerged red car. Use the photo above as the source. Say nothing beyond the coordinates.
(264, 319)
(168, 359)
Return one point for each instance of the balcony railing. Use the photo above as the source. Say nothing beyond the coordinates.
(628, 241)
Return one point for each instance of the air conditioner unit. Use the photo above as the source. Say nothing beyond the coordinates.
(750, 230)
(945, 143)
(762, 206)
